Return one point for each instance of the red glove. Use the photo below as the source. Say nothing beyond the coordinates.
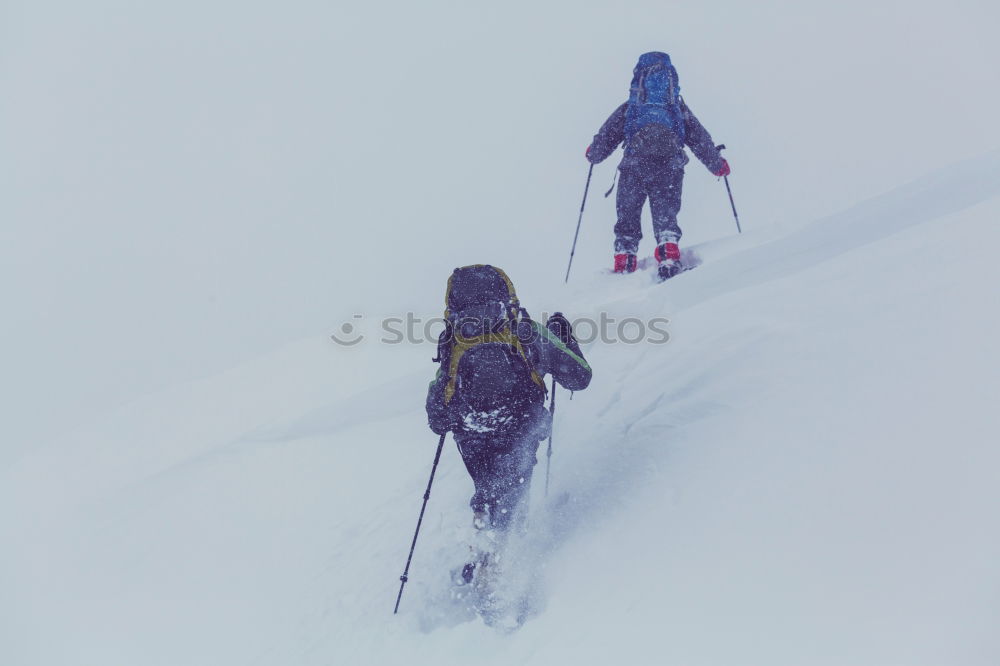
(725, 170)
(587, 154)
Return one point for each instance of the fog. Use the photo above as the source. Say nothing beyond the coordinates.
(189, 184)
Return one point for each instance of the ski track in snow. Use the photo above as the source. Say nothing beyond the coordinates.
(776, 475)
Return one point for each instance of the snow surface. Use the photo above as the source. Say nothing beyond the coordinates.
(195, 195)
(805, 473)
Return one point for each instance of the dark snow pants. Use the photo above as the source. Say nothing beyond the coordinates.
(501, 471)
(662, 185)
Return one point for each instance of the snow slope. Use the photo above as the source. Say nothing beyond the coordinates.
(806, 473)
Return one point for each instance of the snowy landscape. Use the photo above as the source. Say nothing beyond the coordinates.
(197, 199)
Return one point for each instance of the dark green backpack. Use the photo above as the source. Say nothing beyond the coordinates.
(490, 379)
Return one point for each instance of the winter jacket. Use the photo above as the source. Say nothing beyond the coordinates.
(547, 355)
(655, 145)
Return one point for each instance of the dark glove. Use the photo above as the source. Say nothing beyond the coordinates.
(442, 421)
(560, 327)
(724, 170)
(440, 417)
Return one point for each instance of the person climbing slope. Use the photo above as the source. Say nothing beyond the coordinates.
(655, 125)
(489, 390)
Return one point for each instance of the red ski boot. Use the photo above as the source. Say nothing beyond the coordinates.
(669, 256)
(625, 263)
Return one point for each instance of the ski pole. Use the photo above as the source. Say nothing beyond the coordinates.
(726, 178)
(427, 495)
(577, 235)
(548, 455)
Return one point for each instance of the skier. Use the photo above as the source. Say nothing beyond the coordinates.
(489, 390)
(655, 125)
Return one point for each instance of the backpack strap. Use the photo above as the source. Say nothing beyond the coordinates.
(641, 92)
(535, 377)
(461, 345)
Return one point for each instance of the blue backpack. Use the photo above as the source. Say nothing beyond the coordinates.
(654, 97)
